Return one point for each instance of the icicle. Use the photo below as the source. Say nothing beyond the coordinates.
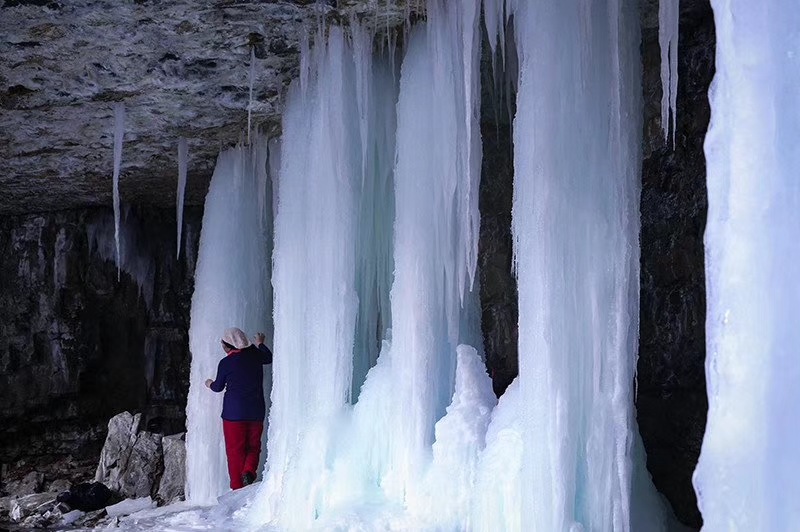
(183, 160)
(119, 132)
(252, 80)
(668, 16)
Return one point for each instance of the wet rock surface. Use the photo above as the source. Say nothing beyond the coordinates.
(671, 399)
(76, 345)
(173, 480)
(181, 69)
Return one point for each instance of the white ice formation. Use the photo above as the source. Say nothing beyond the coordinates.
(375, 281)
(119, 132)
(231, 290)
(183, 162)
(747, 477)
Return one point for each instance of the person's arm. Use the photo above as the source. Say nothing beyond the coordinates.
(266, 354)
(222, 376)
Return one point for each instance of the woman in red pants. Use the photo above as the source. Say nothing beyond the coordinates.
(240, 374)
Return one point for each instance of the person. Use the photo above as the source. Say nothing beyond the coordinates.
(240, 374)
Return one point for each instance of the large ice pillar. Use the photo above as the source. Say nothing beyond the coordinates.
(231, 290)
(747, 477)
(435, 241)
(577, 139)
(314, 280)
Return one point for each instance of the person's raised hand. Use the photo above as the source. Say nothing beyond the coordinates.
(259, 338)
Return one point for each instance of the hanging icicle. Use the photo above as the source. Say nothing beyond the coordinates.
(183, 156)
(119, 131)
(251, 82)
(668, 14)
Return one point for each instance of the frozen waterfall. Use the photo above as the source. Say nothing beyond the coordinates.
(231, 290)
(425, 444)
(747, 476)
(383, 416)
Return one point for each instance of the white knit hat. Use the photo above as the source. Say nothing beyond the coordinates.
(235, 337)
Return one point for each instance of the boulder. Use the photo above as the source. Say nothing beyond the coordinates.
(173, 479)
(131, 461)
(140, 476)
(122, 435)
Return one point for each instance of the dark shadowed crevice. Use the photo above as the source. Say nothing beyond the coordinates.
(499, 298)
(671, 400)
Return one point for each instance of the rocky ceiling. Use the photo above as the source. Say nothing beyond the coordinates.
(180, 67)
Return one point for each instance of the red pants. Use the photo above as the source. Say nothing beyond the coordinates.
(243, 446)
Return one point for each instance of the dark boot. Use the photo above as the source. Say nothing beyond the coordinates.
(247, 478)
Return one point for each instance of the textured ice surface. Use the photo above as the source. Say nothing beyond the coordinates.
(129, 506)
(747, 477)
(231, 290)
(331, 462)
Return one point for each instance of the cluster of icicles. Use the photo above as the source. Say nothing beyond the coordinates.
(382, 415)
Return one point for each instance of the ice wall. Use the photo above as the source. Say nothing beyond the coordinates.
(747, 477)
(231, 290)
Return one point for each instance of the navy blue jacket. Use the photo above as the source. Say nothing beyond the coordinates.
(241, 375)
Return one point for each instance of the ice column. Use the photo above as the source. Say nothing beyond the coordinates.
(231, 290)
(183, 160)
(435, 238)
(314, 281)
(119, 132)
(747, 477)
(668, 16)
(577, 136)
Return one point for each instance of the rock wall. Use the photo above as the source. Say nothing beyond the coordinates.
(671, 401)
(78, 346)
